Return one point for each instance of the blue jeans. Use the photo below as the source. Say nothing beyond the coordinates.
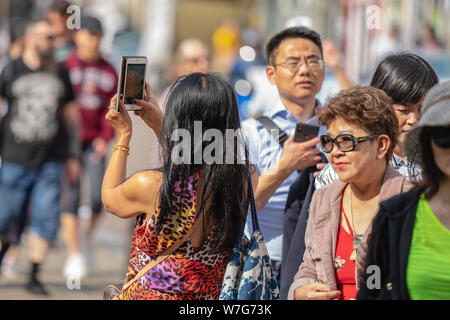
(38, 190)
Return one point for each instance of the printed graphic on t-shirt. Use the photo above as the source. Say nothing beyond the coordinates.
(36, 105)
(91, 79)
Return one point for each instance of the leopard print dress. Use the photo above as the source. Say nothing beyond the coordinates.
(188, 273)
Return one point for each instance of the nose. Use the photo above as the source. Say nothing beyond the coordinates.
(303, 70)
(335, 152)
(412, 118)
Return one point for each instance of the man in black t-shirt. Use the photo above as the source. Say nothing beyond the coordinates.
(35, 142)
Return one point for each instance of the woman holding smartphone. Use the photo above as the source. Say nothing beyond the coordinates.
(206, 200)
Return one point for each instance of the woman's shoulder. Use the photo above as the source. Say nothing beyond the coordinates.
(149, 176)
(326, 200)
(329, 193)
(146, 181)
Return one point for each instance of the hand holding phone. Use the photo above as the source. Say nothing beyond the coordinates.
(132, 81)
(305, 132)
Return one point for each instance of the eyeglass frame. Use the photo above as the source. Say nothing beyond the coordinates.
(300, 64)
(356, 141)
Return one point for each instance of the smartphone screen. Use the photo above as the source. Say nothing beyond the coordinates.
(134, 82)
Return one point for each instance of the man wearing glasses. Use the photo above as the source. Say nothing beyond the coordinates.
(296, 67)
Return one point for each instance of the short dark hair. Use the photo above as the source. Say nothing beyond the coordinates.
(294, 32)
(368, 107)
(60, 7)
(405, 77)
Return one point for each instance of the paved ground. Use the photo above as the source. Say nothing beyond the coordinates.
(111, 251)
(112, 241)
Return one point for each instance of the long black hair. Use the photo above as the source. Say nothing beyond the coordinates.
(207, 98)
(405, 77)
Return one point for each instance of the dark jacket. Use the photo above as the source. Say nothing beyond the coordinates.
(294, 227)
(389, 246)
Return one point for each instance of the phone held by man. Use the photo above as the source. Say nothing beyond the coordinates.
(305, 132)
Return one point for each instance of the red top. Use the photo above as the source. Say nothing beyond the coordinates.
(93, 84)
(345, 268)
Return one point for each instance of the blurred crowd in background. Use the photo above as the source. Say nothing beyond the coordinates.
(229, 36)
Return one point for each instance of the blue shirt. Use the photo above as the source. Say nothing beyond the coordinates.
(264, 152)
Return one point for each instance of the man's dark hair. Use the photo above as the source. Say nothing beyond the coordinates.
(60, 6)
(294, 32)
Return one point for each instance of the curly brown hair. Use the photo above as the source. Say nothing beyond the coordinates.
(368, 107)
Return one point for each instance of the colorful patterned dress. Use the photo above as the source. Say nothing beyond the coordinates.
(189, 273)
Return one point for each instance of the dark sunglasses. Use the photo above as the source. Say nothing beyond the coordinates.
(344, 142)
(441, 136)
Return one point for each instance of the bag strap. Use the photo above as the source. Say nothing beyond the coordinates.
(251, 197)
(165, 254)
(272, 127)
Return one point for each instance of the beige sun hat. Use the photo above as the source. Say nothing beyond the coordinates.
(435, 113)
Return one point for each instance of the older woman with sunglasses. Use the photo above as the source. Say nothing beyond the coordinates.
(362, 133)
(411, 233)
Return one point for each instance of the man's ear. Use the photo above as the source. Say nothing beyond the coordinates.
(270, 73)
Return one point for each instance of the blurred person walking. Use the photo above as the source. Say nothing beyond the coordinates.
(209, 200)
(335, 77)
(94, 82)
(191, 56)
(17, 28)
(57, 15)
(430, 44)
(296, 67)
(361, 137)
(411, 233)
(37, 137)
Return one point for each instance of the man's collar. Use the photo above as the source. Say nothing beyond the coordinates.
(280, 109)
(399, 160)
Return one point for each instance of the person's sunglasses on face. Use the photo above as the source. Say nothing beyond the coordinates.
(344, 142)
(441, 137)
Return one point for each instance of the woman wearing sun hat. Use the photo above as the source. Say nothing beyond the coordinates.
(408, 255)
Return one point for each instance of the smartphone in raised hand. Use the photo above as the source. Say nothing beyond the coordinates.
(132, 80)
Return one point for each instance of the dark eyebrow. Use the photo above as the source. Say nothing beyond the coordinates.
(299, 58)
